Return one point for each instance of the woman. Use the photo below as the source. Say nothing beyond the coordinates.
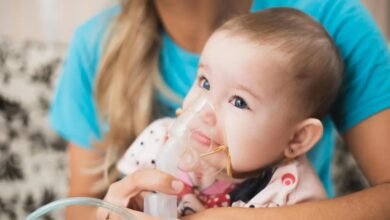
(158, 41)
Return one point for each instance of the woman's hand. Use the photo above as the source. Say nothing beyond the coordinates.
(129, 191)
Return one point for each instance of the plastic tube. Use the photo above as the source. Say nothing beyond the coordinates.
(123, 212)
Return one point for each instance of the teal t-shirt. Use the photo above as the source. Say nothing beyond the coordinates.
(365, 90)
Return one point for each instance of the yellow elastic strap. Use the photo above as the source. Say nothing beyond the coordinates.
(229, 168)
(179, 111)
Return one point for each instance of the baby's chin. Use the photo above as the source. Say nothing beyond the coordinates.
(248, 172)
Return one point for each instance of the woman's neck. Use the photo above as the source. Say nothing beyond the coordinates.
(191, 22)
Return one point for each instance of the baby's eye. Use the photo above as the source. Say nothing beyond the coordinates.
(239, 102)
(204, 83)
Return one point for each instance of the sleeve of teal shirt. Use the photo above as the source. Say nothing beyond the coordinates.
(73, 113)
(366, 84)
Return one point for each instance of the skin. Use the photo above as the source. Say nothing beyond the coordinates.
(372, 134)
(80, 183)
(190, 23)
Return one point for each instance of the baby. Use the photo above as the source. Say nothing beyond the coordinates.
(270, 77)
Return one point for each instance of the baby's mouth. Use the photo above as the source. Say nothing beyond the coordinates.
(201, 138)
(209, 147)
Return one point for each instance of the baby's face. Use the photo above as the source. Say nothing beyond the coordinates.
(245, 84)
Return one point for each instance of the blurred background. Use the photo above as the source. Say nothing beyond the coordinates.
(55, 20)
(46, 20)
(34, 35)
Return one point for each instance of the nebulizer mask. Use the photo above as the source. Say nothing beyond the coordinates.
(194, 145)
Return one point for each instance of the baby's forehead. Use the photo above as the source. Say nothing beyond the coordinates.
(224, 42)
(224, 37)
(261, 51)
(245, 56)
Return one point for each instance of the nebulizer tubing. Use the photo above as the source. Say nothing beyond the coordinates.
(62, 203)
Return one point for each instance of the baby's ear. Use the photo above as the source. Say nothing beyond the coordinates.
(306, 135)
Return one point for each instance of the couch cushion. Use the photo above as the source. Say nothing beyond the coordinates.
(32, 157)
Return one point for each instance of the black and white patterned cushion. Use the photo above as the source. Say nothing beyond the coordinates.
(32, 157)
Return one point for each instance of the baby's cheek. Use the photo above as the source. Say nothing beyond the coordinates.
(242, 160)
(246, 150)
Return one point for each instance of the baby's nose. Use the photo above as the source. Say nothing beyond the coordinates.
(209, 116)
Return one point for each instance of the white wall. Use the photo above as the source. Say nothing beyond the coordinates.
(46, 20)
(55, 20)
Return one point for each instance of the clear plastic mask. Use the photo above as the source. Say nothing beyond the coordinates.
(198, 144)
(193, 145)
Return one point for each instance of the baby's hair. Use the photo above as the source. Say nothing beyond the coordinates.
(313, 60)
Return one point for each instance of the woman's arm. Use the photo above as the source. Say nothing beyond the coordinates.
(372, 203)
(80, 183)
(369, 142)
